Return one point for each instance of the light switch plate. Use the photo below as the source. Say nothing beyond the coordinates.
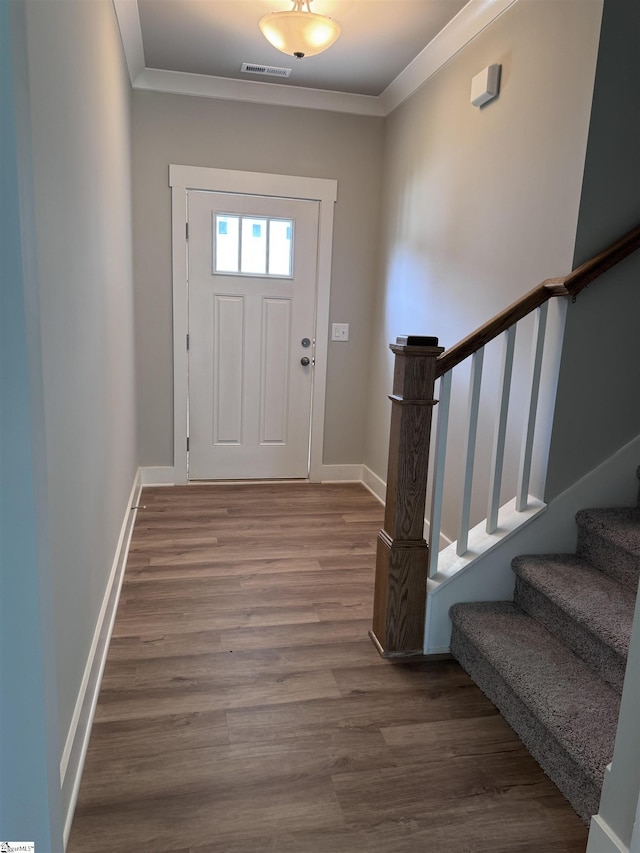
(339, 331)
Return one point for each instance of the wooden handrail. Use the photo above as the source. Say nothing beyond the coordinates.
(402, 555)
(568, 285)
(494, 327)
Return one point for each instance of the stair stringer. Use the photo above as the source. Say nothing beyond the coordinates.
(485, 573)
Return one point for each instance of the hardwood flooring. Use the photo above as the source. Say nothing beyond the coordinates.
(245, 710)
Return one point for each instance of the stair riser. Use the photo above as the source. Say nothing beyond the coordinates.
(602, 659)
(608, 558)
(582, 792)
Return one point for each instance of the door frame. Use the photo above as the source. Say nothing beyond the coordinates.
(322, 190)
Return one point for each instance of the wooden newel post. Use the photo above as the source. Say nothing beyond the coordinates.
(402, 557)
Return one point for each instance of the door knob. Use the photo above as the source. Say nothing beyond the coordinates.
(304, 361)
(305, 342)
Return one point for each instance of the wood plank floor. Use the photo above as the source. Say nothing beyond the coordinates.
(243, 707)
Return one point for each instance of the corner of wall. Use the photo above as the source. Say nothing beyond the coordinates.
(158, 475)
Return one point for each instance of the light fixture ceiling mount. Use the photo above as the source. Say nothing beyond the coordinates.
(298, 32)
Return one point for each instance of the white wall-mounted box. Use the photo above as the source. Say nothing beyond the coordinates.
(485, 85)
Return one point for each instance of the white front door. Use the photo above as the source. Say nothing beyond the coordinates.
(252, 268)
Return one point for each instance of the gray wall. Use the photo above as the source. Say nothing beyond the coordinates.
(79, 110)
(230, 135)
(598, 407)
(29, 755)
(480, 205)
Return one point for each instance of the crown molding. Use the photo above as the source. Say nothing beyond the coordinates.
(275, 94)
(470, 21)
(131, 35)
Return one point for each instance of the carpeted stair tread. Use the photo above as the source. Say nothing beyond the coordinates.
(594, 600)
(609, 539)
(577, 709)
(621, 525)
(553, 661)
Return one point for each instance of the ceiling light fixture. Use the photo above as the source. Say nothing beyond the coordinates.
(299, 32)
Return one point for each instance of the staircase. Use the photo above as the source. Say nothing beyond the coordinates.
(553, 660)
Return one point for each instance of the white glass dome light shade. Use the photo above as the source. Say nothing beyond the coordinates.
(299, 33)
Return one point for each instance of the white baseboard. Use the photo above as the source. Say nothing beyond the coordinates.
(341, 474)
(376, 486)
(602, 839)
(165, 475)
(75, 748)
(160, 475)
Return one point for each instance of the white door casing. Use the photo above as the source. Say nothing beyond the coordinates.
(249, 392)
(324, 191)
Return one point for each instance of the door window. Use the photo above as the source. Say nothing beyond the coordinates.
(253, 245)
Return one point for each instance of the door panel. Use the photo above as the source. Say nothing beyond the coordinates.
(274, 384)
(249, 395)
(228, 367)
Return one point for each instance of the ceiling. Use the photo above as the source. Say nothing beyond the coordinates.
(214, 37)
(387, 49)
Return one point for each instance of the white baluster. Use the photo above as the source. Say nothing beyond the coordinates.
(497, 461)
(439, 456)
(472, 431)
(522, 496)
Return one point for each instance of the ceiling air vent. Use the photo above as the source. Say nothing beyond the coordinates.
(266, 70)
